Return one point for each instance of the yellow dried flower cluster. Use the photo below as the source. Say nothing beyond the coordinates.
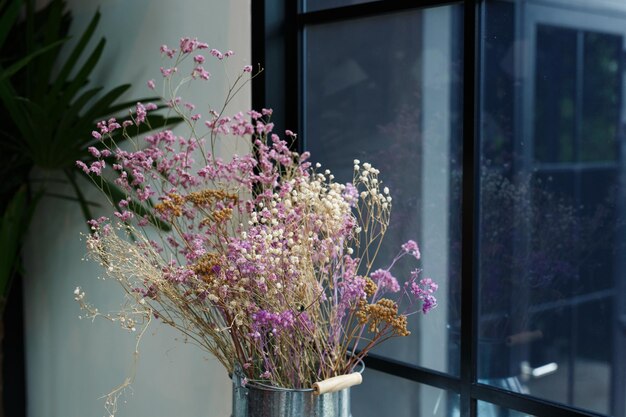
(205, 266)
(370, 287)
(172, 205)
(207, 197)
(222, 215)
(383, 311)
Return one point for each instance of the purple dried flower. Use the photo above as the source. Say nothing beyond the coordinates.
(385, 280)
(423, 290)
(411, 248)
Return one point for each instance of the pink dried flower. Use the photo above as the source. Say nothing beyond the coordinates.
(199, 71)
(411, 248)
(166, 72)
(97, 167)
(93, 151)
(82, 166)
(140, 114)
(187, 45)
(385, 280)
(255, 114)
(124, 215)
(95, 224)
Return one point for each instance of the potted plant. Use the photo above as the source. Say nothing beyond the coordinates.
(268, 264)
(48, 106)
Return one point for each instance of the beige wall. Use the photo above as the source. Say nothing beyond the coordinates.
(71, 363)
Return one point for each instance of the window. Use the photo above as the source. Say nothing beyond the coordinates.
(500, 124)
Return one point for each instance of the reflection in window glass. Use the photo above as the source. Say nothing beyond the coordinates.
(577, 94)
(394, 102)
(552, 204)
(555, 126)
(490, 410)
(399, 398)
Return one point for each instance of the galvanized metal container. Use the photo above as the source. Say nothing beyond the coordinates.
(259, 400)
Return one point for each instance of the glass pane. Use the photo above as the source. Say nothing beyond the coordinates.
(382, 394)
(555, 90)
(491, 410)
(552, 203)
(601, 79)
(395, 103)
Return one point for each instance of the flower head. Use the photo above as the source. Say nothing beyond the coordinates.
(411, 248)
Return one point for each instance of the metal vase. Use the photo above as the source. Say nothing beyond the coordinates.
(259, 400)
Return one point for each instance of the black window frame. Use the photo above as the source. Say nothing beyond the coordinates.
(277, 45)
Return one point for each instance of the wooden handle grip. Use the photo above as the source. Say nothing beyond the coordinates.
(337, 383)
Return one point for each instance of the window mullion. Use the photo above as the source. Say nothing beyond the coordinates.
(469, 264)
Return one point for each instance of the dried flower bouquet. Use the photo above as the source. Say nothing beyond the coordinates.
(269, 261)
